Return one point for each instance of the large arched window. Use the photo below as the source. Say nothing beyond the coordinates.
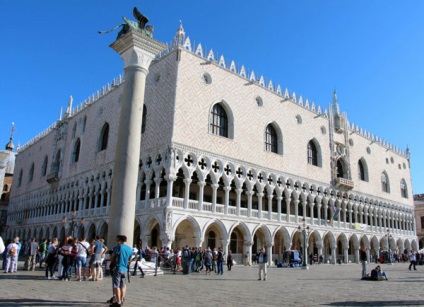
(143, 123)
(76, 151)
(219, 121)
(312, 153)
(44, 166)
(31, 173)
(104, 137)
(271, 139)
(385, 185)
(403, 189)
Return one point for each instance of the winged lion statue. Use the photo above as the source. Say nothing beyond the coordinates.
(139, 26)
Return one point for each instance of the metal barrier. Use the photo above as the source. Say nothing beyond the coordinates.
(167, 262)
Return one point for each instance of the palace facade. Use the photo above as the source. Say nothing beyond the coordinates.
(227, 159)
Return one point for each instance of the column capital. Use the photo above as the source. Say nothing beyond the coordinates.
(137, 50)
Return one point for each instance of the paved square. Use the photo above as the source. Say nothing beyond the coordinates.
(321, 285)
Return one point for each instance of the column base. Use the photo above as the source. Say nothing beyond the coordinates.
(306, 267)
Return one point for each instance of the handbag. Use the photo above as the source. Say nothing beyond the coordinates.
(114, 262)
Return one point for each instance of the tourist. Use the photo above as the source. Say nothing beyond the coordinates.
(229, 260)
(178, 259)
(207, 258)
(381, 274)
(214, 259)
(32, 254)
(66, 252)
(51, 259)
(42, 249)
(413, 260)
(138, 261)
(81, 261)
(11, 257)
(121, 254)
(220, 261)
(363, 258)
(262, 263)
(99, 250)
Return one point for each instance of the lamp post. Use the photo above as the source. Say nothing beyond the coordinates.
(306, 230)
(388, 235)
(73, 223)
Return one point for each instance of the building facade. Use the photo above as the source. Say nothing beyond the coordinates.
(227, 159)
(7, 165)
(419, 218)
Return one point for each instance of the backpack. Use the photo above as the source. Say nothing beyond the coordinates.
(12, 251)
(186, 253)
(74, 249)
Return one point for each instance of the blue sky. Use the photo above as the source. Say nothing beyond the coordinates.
(371, 52)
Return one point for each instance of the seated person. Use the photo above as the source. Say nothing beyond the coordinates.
(381, 274)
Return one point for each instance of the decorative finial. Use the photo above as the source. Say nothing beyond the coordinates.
(180, 35)
(336, 102)
(69, 108)
(60, 114)
(9, 145)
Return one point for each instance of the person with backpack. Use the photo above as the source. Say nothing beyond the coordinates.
(121, 255)
(66, 252)
(11, 257)
(82, 255)
(220, 261)
(51, 258)
(186, 255)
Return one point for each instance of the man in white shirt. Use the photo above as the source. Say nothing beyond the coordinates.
(82, 255)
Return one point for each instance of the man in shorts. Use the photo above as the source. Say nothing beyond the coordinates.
(122, 254)
(99, 250)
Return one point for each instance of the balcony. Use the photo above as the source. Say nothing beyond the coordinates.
(344, 183)
(52, 177)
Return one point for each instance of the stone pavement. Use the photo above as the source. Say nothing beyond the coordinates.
(321, 285)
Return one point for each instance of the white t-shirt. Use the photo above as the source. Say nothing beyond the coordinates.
(2, 247)
(82, 252)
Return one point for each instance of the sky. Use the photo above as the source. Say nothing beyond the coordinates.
(371, 52)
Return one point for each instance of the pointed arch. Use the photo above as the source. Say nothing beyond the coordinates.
(273, 138)
(221, 120)
(314, 153)
(76, 151)
(104, 137)
(363, 170)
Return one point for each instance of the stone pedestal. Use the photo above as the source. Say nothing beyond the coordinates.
(137, 51)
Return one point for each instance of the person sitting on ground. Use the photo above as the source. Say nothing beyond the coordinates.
(381, 274)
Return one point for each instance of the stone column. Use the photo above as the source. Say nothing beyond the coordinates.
(137, 51)
(201, 185)
(214, 192)
(279, 199)
(249, 202)
(270, 206)
(238, 202)
(147, 182)
(187, 192)
(260, 195)
(227, 199)
(170, 182)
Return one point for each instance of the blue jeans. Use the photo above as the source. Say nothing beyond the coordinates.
(220, 265)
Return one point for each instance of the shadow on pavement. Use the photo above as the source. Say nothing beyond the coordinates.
(378, 303)
(38, 302)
